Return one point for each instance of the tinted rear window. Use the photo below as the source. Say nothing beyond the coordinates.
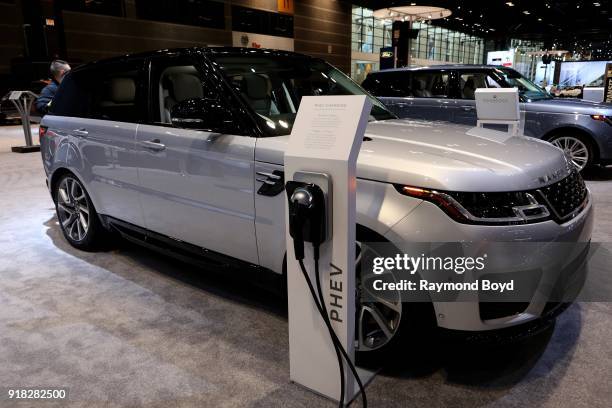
(72, 97)
(388, 84)
(420, 84)
(112, 91)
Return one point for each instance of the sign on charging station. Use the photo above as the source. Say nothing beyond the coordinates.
(324, 144)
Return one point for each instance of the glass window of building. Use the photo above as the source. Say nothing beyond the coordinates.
(434, 43)
(203, 13)
(108, 7)
(524, 61)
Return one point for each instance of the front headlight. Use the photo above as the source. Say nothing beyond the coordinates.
(495, 208)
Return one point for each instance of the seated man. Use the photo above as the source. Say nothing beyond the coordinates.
(58, 69)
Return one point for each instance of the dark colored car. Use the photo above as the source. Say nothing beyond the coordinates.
(446, 92)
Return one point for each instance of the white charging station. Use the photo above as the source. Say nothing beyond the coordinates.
(498, 106)
(323, 149)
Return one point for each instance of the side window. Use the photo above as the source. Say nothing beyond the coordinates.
(471, 81)
(392, 84)
(372, 84)
(492, 83)
(73, 96)
(116, 91)
(174, 80)
(430, 84)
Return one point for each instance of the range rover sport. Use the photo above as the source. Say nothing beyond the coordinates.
(184, 149)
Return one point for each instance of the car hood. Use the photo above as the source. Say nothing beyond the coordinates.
(445, 156)
(569, 105)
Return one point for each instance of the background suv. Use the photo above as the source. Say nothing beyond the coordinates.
(182, 150)
(446, 92)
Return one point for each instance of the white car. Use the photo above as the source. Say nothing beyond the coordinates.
(183, 150)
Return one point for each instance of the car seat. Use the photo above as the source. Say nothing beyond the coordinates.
(420, 89)
(118, 99)
(179, 87)
(469, 89)
(256, 90)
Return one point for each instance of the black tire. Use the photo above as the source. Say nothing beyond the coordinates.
(566, 141)
(413, 329)
(76, 214)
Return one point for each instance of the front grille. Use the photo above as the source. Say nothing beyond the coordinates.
(564, 197)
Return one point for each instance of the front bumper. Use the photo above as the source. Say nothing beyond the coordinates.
(506, 335)
(427, 223)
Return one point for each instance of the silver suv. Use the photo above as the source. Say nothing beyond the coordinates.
(446, 92)
(183, 150)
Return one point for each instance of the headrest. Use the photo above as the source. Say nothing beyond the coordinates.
(470, 82)
(420, 84)
(256, 86)
(121, 90)
(479, 82)
(185, 86)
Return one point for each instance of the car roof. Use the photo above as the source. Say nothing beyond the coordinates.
(234, 51)
(459, 67)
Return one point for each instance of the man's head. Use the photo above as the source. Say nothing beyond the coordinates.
(58, 69)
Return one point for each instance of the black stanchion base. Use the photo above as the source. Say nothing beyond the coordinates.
(25, 149)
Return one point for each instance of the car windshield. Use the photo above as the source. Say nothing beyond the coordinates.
(527, 89)
(273, 86)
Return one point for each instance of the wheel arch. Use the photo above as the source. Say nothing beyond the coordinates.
(56, 176)
(580, 131)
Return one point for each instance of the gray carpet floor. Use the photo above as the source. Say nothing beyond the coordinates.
(130, 328)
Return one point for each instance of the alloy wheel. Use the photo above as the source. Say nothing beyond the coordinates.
(575, 149)
(378, 318)
(73, 208)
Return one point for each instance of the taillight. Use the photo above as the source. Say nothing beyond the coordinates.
(42, 131)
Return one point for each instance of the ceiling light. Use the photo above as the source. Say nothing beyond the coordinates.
(509, 4)
(596, 4)
(526, 12)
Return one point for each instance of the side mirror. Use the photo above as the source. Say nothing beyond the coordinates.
(202, 114)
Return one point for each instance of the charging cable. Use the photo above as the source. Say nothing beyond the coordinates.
(320, 304)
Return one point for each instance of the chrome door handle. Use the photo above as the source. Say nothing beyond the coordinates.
(468, 108)
(154, 145)
(269, 175)
(82, 132)
(265, 181)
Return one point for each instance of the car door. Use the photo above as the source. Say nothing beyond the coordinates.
(197, 186)
(393, 89)
(110, 107)
(415, 94)
(431, 95)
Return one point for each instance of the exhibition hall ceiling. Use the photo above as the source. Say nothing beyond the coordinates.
(543, 19)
